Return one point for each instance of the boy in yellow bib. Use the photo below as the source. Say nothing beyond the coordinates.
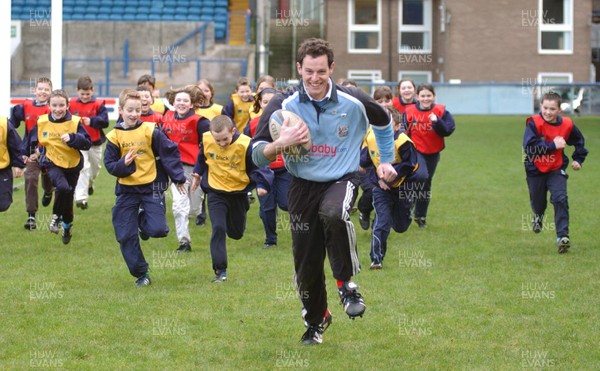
(59, 137)
(393, 200)
(225, 171)
(142, 158)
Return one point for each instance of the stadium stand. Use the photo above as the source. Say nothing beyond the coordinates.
(129, 10)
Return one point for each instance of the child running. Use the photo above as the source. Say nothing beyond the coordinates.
(184, 127)
(427, 124)
(546, 136)
(279, 184)
(143, 159)
(225, 171)
(392, 204)
(60, 137)
(29, 112)
(94, 118)
(238, 107)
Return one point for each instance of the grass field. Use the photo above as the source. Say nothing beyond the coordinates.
(475, 290)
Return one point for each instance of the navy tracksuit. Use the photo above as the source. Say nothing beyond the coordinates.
(555, 181)
(278, 196)
(393, 206)
(64, 180)
(142, 207)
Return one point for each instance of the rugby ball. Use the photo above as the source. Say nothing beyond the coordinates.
(275, 123)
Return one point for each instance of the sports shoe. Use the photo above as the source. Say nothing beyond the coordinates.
(82, 204)
(46, 198)
(314, 333)
(563, 244)
(143, 235)
(200, 220)
(30, 223)
(364, 220)
(90, 190)
(184, 247)
(421, 222)
(376, 265)
(352, 300)
(220, 276)
(270, 245)
(67, 233)
(143, 280)
(54, 225)
(536, 224)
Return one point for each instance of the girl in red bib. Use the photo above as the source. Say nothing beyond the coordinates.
(427, 123)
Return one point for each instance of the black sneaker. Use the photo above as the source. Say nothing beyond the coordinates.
(143, 235)
(30, 223)
(563, 244)
(421, 222)
(90, 191)
(352, 300)
(67, 233)
(270, 245)
(314, 333)
(364, 220)
(82, 204)
(143, 280)
(200, 220)
(312, 336)
(536, 224)
(54, 225)
(46, 199)
(184, 247)
(220, 276)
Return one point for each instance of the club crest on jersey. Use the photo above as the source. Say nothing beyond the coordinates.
(342, 131)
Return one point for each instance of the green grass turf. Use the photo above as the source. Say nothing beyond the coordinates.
(475, 290)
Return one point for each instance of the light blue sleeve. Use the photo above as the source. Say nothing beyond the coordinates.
(384, 136)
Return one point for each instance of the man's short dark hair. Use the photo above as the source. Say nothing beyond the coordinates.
(315, 48)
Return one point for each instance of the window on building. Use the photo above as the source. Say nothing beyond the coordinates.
(419, 77)
(555, 20)
(415, 26)
(364, 31)
(366, 79)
